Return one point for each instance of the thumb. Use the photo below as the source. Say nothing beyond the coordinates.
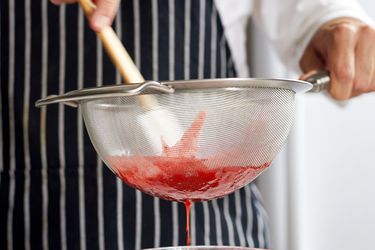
(104, 14)
(310, 63)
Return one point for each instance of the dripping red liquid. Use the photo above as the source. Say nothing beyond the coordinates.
(187, 207)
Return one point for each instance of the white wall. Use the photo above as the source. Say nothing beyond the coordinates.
(320, 192)
(333, 175)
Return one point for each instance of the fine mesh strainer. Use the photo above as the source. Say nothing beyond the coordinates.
(229, 131)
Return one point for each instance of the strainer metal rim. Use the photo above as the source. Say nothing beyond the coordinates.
(73, 98)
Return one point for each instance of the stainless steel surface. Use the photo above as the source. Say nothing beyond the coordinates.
(73, 97)
(320, 81)
(151, 87)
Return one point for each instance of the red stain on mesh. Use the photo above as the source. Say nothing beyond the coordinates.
(178, 175)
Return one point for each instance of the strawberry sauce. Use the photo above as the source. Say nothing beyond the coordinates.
(181, 178)
(179, 175)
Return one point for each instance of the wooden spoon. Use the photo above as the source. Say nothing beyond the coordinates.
(156, 123)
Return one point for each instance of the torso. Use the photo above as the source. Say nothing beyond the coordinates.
(54, 191)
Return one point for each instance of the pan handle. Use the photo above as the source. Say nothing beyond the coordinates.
(320, 81)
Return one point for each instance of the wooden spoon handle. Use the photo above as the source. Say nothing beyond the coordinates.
(115, 49)
(119, 56)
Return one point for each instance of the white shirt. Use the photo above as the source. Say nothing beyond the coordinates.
(289, 24)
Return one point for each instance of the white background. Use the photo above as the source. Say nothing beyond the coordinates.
(320, 191)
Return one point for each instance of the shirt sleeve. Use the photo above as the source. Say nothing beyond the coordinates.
(291, 24)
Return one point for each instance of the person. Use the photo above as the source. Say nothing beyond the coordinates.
(55, 192)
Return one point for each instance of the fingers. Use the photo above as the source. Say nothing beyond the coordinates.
(341, 61)
(104, 14)
(365, 61)
(310, 63)
(346, 48)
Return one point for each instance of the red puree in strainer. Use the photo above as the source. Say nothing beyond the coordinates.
(178, 175)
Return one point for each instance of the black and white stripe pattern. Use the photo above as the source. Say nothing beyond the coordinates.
(11, 114)
(54, 192)
(61, 127)
(80, 138)
(26, 108)
(43, 132)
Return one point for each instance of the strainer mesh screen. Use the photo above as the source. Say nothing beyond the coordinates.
(236, 127)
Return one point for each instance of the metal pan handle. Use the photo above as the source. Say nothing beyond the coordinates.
(320, 81)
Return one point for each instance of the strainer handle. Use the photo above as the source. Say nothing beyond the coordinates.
(320, 81)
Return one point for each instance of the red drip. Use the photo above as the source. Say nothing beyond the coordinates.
(187, 207)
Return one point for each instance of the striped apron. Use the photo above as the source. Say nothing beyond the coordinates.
(55, 192)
